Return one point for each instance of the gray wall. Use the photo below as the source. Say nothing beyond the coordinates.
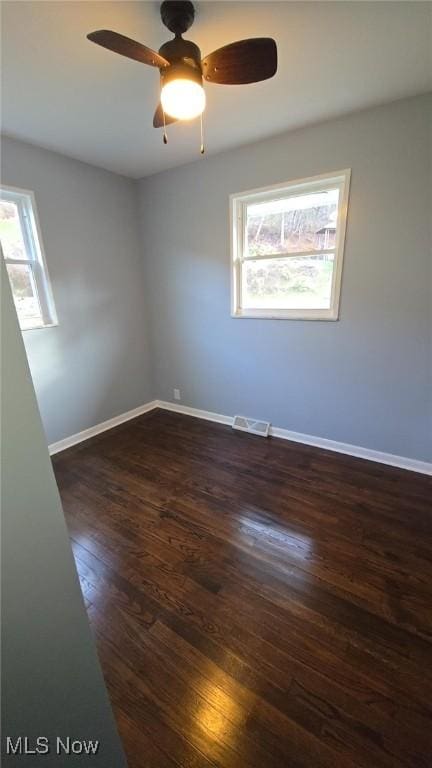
(95, 364)
(51, 679)
(364, 380)
(138, 319)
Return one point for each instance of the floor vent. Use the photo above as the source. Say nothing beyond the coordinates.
(251, 425)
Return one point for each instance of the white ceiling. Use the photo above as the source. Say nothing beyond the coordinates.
(64, 93)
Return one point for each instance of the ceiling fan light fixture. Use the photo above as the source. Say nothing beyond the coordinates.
(183, 70)
(183, 98)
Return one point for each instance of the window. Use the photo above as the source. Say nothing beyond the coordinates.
(22, 250)
(287, 249)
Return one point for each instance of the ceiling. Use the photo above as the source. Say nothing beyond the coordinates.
(64, 93)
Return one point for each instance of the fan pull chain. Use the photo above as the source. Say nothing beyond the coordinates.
(165, 137)
(202, 150)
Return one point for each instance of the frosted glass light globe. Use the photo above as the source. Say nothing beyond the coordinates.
(183, 99)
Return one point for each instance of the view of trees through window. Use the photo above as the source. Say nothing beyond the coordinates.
(305, 224)
(20, 275)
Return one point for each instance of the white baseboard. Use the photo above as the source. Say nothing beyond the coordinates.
(79, 437)
(359, 452)
(188, 411)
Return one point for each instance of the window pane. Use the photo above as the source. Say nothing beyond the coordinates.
(10, 231)
(25, 295)
(291, 283)
(301, 223)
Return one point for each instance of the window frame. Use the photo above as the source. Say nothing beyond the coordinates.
(24, 199)
(238, 222)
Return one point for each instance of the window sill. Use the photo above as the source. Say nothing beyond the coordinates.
(39, 327)
(287, 314)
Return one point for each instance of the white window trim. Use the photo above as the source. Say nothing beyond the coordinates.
(27, 211)
(238, 202)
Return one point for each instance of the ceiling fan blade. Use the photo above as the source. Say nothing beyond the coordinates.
(246, 61)
(158, 120)
(127, 47)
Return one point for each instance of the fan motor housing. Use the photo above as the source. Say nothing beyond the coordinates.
(179, 50)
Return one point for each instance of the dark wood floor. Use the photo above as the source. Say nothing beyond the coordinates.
(255, 602)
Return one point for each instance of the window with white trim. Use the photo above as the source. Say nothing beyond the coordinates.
(21, 246)
(287, 248)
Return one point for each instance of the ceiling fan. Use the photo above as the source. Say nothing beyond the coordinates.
(182, 70)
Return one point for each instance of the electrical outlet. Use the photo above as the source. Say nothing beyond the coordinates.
(177, 394)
